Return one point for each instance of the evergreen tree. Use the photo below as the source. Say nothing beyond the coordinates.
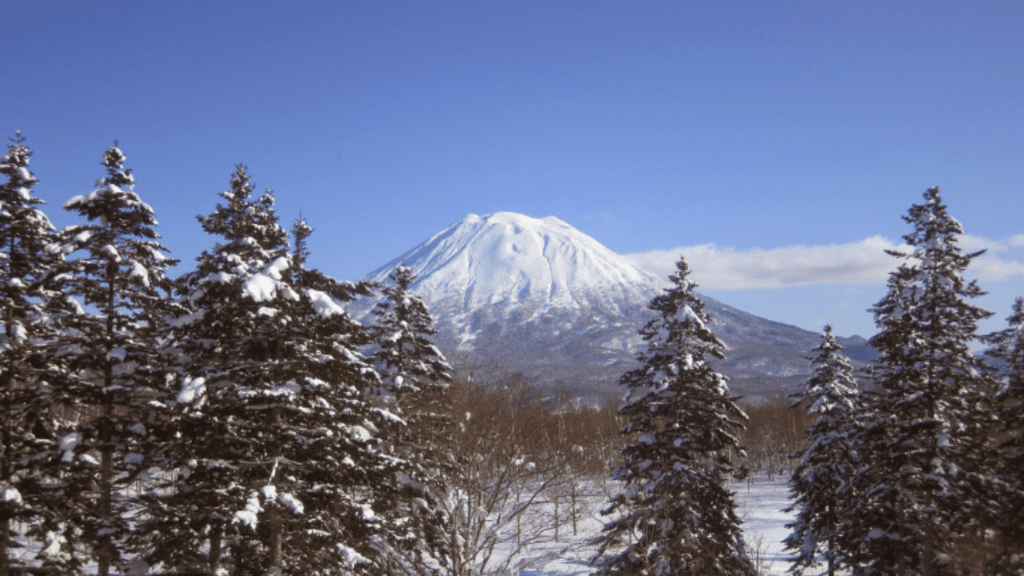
(415, 381)
(276, 458)
(112, 352)
(926, 442)
(407, 359)
(676, 515)
(29, 299)
(828, 464)
(1008, 346)
(396, 525)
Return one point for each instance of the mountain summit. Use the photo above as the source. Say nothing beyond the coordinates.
(539, 297)
(521, 266)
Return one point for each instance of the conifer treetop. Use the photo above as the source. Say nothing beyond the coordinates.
(1008, 345)
(120, 235)
(244, 220)
(18, 214)
(29, 256)
(927, 293)
(832, 386)
(23, 227)
(403, 329)
(301, 231)
(15, 165)
(114, 202)
(678, 338)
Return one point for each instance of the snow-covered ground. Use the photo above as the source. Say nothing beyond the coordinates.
(764, 523)
(760, 504)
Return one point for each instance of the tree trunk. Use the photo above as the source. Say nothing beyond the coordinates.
(928, 549)
(453, 543)
(273, 514)
(557, 519)
(574, 530)
(274, 526)
(5, 527)
(105, 555)
(831, 555)
(215, 544)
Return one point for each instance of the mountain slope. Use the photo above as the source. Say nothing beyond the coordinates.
(539, 297)
(516, 261)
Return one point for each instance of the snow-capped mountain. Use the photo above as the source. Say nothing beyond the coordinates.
(511, 268)
(539, 297)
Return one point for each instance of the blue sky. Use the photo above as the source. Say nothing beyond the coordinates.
(733, 131)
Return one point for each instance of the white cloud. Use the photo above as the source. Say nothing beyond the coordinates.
(972, 243)
(988, 267)
(864, 262)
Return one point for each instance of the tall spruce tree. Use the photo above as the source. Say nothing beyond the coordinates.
(29, 300)
(676, 514)
(396, 526)
(112, 352)
(828, 463)
(1008, 346)
(277, 460)
(415, 381)
(926, 440)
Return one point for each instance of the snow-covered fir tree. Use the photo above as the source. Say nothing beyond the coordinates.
(415, 380)
(276, 457)
(405, 355)
(926, 442)
(117, 270)
(407, 542)
(30, 298)
(1008, 346)
(676, 514)
(828, 464)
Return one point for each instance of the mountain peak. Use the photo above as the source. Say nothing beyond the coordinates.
(512, 218)
(510, 259)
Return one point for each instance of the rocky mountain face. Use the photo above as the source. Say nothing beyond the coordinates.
(539, 297)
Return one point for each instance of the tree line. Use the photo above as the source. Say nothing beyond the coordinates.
(922, 473)
(918, 474)
(236, 420)
(233, 420)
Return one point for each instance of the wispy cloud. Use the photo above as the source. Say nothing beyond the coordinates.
(990, 267)
(863, 262)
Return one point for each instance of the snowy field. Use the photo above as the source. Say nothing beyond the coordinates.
(764, 523)
(760, 504)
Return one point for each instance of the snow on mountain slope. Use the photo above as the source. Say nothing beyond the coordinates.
(542, 298)
(507, 266)
(511, 258)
